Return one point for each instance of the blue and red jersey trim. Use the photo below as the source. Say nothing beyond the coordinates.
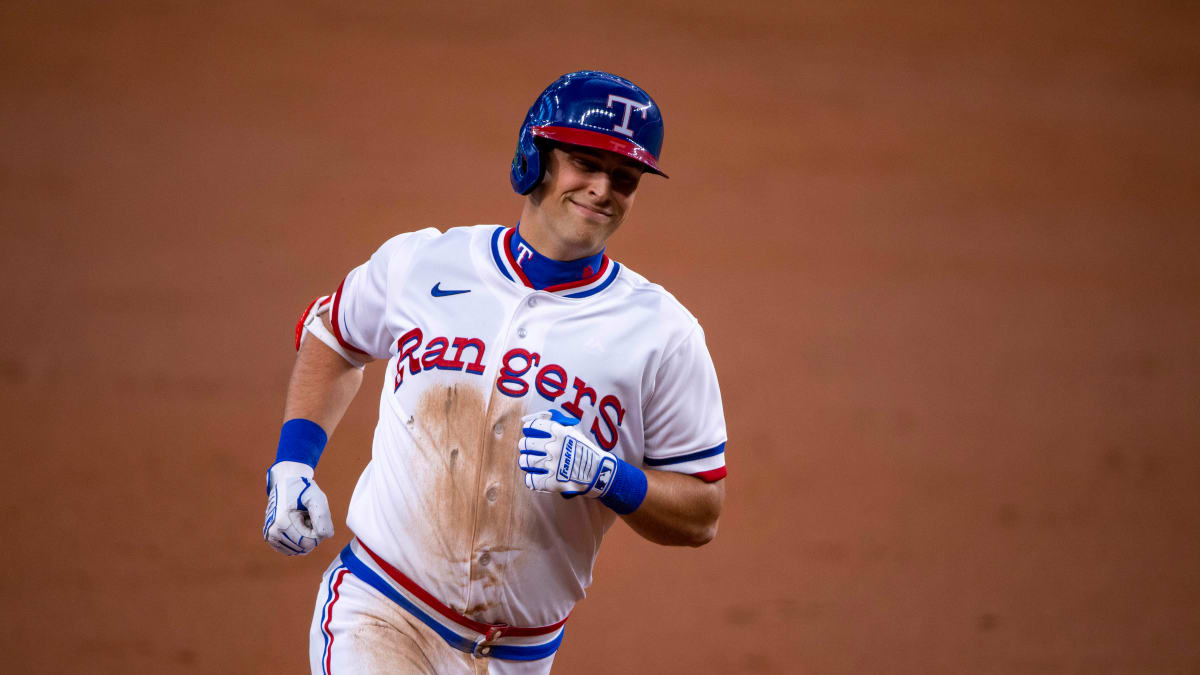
(710, 476)
(335, 321)
(331, 598)
(512, 643)
(502, 256)
(496, 256)
(690, 457)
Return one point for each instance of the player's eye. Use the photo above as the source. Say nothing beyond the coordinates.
(625, 182)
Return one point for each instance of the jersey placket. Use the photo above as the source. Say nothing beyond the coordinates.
(499, 490)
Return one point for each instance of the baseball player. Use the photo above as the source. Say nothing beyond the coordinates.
(535, 391)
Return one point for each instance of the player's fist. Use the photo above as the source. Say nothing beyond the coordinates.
(556, 457)
(297, 512)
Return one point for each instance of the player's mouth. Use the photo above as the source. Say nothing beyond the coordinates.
(591, 211)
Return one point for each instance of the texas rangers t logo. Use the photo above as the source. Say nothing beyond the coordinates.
(630, 106)
(523, 253)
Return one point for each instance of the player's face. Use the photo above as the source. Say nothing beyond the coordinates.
(582, 199)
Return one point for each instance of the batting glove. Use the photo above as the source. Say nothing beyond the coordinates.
(556, 457)
(297, 511)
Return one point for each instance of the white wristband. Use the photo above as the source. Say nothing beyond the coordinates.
(314, 325)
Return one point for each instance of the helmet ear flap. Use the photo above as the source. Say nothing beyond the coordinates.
(527, 164)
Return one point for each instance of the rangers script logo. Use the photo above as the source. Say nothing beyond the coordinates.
(550, 381)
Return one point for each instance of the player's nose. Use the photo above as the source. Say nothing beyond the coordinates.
(600, 187)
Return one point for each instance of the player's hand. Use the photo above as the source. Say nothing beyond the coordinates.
(556, 457)
(297, 512)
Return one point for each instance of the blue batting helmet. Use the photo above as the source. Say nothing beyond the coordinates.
(592, 108)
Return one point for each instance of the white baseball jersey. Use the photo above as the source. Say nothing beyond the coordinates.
(472, 347)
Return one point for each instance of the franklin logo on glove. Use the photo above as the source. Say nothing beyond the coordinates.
(564, 467)
(552, 440)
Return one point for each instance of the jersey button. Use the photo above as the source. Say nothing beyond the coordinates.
(498, 429)
(492, 493)
(533, 302)
(485, 558)
(521, 332)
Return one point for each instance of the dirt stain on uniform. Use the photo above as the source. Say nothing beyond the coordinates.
(477, 505)
(384, 649)
(505, 527)
(396, 642)
(448, 429)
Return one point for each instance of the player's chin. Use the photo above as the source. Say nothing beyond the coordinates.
(593, 236)
(599, 228)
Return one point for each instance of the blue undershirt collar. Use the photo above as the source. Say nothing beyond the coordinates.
(544, 272)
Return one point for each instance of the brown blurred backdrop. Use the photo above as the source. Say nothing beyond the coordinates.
(945, 255)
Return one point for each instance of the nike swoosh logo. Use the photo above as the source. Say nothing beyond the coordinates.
(438, 292)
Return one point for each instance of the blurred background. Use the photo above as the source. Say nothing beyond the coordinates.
(946, 256)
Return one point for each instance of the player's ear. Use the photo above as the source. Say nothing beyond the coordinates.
(546, 169)
(549, 158)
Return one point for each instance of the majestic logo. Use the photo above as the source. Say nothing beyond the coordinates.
(437, 291)
(630, 106)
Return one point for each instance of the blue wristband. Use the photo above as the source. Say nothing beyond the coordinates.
(302, 441)
(628, 489)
